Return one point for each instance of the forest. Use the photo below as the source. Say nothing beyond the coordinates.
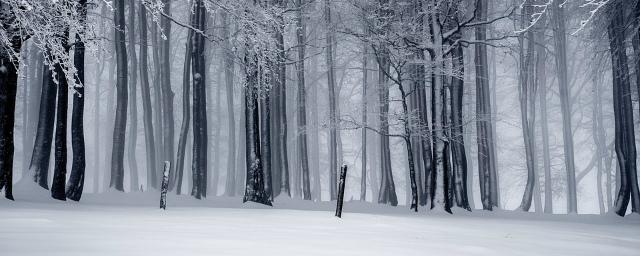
(511, 108)
(456, 127)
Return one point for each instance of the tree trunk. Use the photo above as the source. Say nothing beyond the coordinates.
(363, 175)
(544, 126)
(623, 114)
(333, 141)
(265, 130)
(458, 151)
(157, 103)
(302, 105)
(167, 93)
(186, 111)
(76, 178)
(39, 166)
(254, 190)
(60, 152)
(133, 98)
(147, 111)
(117, 153)
(387, 192)
(527, 92)
(229, 69)
(484, 123)
(8, 90)
(199, 169)
(559, 36)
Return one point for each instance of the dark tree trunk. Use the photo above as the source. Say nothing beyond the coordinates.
(265, 133)
(117, 153)
(484, 121)
(254, 190)
(387, 192)
(410, 154)
(147, 115)
(623, 114)
(281, 113)
(76, 178)
(39, 166)
(8, 90)
(458, 151)
(199, 165)
(60, 162)
(341, 184)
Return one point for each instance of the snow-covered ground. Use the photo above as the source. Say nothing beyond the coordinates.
(131, 224)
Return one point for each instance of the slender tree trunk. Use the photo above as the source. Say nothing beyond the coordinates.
(544, 126)
(117, 154)
(387, 192)
(35, 90)
(157, 104)
(147, 112)
(167, 93)
(302, 105)
(186, 110)
(565, 105)
(363, 175)
(623, 113)
(76, 178)
(8, 90)
(484, 123)
(60, 162)
(228, 76)
(527, 92)
(333, 141)
(199, 168)
(265, 131)
(39, 166)
(133, 98)
(457, 131)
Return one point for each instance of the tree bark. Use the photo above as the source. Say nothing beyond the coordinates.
(60, 162)
(623, 114)
(565, 106)
(76, 178)
(527, 92)
(8, 90)
(302, 105)
(117, 153)
(254, 190)
(39, 166)
(186, 111)
(229, 69)
(167, 93)
(333, 139)
(147, 111)
(484, 123)
(199, 167)
(458, 151)
(133, 99)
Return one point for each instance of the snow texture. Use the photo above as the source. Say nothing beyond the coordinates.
(115, 223)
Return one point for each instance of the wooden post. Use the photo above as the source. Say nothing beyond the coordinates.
(165, 185)
(341, 183)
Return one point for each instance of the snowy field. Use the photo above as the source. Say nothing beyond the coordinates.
(131, 224)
